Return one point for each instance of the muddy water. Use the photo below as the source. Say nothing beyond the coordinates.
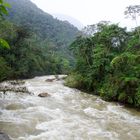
(67, 114)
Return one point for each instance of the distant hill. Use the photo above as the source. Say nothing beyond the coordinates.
(70, 19)
(24, 12)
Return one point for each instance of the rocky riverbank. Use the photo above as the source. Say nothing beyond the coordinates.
(13, 86)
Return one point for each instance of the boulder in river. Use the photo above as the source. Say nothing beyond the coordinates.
(50, 80)
(45, 94)
(4, 136)
(57, 77)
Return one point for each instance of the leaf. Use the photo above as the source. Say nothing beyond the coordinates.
(1, 1)
(7, 5)
(3, 9)
(4, 43)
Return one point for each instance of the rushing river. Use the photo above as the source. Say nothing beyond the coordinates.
(68, 114)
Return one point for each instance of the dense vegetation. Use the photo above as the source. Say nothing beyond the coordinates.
(38, 42)
(57, 33)
(108, 63)
(3, 11)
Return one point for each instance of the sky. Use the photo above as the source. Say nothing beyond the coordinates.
(90, 11)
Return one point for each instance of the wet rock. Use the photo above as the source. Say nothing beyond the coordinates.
(17, 82)
(44, 94)
(50, 80)
(6, 88)
(14, 86)
(57, 77)
(4, 136)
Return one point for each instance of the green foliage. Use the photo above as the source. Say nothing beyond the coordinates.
(108, 63)
(58, 33)
(75, 80)
(28, 56)
(3, 11)
(38, 45)
(3, 8)
(4, 44)
(5, 70)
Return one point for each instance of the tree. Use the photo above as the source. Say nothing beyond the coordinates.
(4, 43)
(133, 12)
(106, 65)
(83, 48)
(90, 30)
(3, 6)
(3, 11)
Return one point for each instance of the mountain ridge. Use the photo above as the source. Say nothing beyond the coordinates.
(25, 12)
(70, 19)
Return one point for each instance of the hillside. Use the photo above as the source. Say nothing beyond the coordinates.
(24, 12)
(38, 42)
(70, 19)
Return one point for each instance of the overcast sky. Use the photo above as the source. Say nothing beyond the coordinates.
(90, 11)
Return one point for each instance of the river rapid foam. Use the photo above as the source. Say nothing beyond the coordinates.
(67, 114)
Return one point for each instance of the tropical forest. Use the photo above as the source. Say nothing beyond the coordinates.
(59, 82)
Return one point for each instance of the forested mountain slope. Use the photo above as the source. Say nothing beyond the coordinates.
(38, 42)
(24, 12)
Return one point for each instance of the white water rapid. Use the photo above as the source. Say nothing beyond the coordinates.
(67, 114)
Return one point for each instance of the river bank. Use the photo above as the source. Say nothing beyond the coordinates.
(106, 91)
(67, 114)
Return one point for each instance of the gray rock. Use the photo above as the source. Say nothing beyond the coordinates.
(43, 94)
(50, 80)
(17, 82)
(57, 77)
(22, 89)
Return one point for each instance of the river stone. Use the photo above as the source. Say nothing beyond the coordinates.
(50, 80)
(17, 82)
(22, 89)
(4, 136)
(57, 77)
(43, 94)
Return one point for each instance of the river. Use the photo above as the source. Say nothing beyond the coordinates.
(67, 114)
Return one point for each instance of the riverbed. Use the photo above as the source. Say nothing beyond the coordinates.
(67, 114)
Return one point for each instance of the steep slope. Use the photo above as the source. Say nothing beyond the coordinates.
(24, 12)
(38, 42)
(70, 19)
